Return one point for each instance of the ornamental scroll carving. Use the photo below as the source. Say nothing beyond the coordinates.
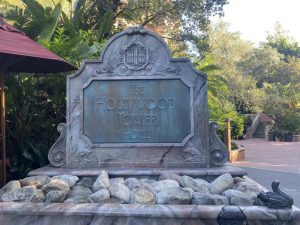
(136, 59)
(57, 153)
(219, 154)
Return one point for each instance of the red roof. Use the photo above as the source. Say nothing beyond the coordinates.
(21, 54)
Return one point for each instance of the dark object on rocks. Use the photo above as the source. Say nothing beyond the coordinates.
(276, 199)
(231, 215)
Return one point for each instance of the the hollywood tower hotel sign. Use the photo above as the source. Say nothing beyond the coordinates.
(137, 106)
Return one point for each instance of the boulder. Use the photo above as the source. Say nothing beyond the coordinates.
(120, 191)
(197, 186)
(102, 181)
(147, 187)
(200, 198)
(24, 194)
(132, 183)
(37, 181)
(175, 195)
(55, 196)
(148, 181)
(79, 199)
(169, 176)
(209, 199)
(230, 193)
(221, 184)
(56, 185)
(69, 179)
(239, 198)
(1, 193)
(242, 200)
(11, 186)
(247, 187)
(163, 184)
(100, 195)
(117, 180)
(142, 196)
(219, 199)
(86, 182)
(202, 182)
(238, 180)
(80, 191)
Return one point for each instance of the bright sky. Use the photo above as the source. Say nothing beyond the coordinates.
(253, 18)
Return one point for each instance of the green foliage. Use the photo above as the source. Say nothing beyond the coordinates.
(220, 108)
(32, 115)
(49, 29)
(282, 102)
(36, 103)
(283, 43)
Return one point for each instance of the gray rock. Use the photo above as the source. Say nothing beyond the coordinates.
(24, 194)
(132, 183)
(79, 199)
(175, 195)
(219, 199)
(189, 182)
(111, 201)
(239, 198)
(120, 180)
(162, 184)
(37, 181)
(148, 181)
(69, 179)
(86, 182)
(120, 191)
(147, 187)
(242, 200)
(102, 181)
(200, 198)
(221, 184)
(238, 180)
(56, 185)
(169, 176)
(79, 191)
(55, 196)
(11, 186)
(230, 193)
(100, 196)
(142, 196)
(1, 193)
(247, 187)
(202, 182)
(209, 199)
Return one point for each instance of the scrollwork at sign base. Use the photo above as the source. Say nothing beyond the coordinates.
(219, 154)
(57, 153)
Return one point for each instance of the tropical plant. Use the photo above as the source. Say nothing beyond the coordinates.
(219, 106)
(36, 103)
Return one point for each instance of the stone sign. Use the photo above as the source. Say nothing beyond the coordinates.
(137, 107)
(137, 111)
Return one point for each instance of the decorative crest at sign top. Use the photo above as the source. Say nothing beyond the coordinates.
(135, 56)
(136, 59)
(136, 30)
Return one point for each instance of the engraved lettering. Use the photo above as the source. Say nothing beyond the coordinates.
(172, 102)
(162, 103)
(136, 112)
(111, 103)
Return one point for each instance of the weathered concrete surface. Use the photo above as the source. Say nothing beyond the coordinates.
(118, 214)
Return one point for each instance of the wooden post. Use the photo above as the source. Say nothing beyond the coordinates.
(3, 137)
(227, 136)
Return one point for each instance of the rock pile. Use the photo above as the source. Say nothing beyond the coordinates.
(169, 189)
